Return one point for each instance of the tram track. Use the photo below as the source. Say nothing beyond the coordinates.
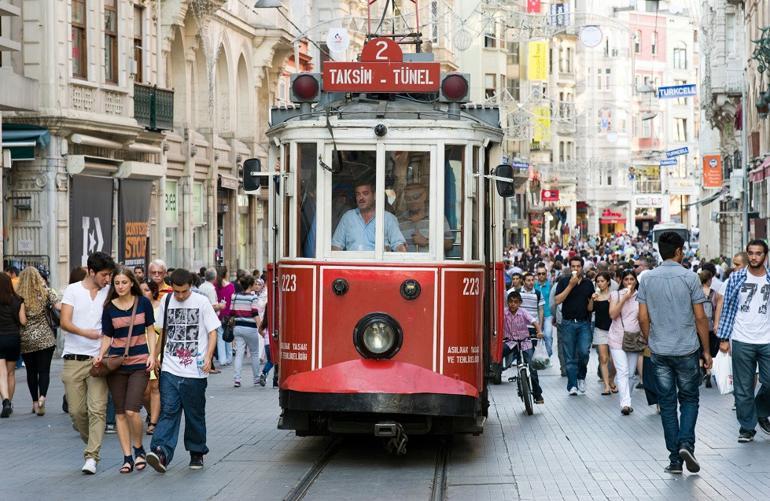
(438, 484)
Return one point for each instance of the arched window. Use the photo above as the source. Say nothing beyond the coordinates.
(680, 56)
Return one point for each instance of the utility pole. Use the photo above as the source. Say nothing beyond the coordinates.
(745, 160)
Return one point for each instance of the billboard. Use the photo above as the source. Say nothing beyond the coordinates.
(537, 61)
(712, 171)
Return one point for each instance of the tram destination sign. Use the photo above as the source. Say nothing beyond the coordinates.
(381, 69)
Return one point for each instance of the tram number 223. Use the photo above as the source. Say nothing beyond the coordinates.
(289, 282)
(471, 286)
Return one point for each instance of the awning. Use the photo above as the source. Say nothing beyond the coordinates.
(22, 140)
(707, 200)
(761, 172)
(612, 220)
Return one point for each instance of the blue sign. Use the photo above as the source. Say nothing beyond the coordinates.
(676, 91)
(668, 162)
(520, 165)
(677, 152)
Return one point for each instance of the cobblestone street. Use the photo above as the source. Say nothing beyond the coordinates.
(571, 448)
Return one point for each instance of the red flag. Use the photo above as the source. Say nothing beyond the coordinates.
(533, 6)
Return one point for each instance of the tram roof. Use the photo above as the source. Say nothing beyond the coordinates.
(398, 107)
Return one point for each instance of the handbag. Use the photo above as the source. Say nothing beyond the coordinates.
(111, 363)
(228, 330)
(633, 342)
(52, 316)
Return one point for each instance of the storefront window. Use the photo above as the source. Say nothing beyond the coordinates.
(306, 201)
(454, 159)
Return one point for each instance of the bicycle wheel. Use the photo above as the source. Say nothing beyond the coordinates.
(526, 391)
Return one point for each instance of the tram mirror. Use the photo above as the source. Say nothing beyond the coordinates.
(504, 173)
(252, 180)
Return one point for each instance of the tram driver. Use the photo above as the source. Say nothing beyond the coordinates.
(356, 229)
(415, 223)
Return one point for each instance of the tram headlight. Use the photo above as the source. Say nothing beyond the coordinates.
(378, 335)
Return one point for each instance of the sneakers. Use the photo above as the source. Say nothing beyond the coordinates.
(89, 467)
(764, 424)
(745, 437)
(573, 391)
(689, 459)
(7, 408)
(639, 386)
(262, 380)
(626, 410)
(196, 461)
(236, 384)
(539, 400)
(581, 386)
(109, 429)
(674, 468)
(157, 459)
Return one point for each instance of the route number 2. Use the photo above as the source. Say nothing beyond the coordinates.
(380, 56)
(471, 286)
(288, 283)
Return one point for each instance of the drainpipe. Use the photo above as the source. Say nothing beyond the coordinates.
(51, 166)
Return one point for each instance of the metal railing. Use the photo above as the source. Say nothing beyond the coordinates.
(153, 107)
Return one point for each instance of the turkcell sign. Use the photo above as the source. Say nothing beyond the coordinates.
(668, 162)
(675, 91)
(520, 165)
(677, 152)
(381, 69)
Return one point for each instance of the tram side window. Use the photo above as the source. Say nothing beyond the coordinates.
(353, 203)
(475, 206)
(306, 201)
(454, 157)
(286, 204)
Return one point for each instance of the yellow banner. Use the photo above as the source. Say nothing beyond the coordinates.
(542, 126)
(537, 61)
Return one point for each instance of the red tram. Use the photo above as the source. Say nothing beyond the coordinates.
(386, 249)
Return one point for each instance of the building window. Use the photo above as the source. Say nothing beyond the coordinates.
(654, 45)
(79, 45)
(680, 57)
(607, 78)
(489, 41)
(599, 78)
(514, 88)
(638, 42)
(434, 21)
(646, 128)
(680, 132)
(111, 41)
(139, 43)
(489, 85)
(569, 59)
(513, 53)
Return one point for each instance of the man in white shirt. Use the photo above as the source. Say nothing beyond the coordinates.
(81, 324)
(190, 339)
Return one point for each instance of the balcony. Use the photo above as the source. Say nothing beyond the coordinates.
(153, 107)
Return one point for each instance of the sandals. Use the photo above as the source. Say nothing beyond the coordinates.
(128, 465)
(151, 428)
(607, 393)
(141, 461)
(614, 389)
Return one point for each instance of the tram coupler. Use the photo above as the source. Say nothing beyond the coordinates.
(397, 437)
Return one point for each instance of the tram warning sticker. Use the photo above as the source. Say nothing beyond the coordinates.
(462, 355)
(293, 351)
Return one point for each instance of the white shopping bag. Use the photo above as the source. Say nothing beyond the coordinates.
(540, 359)
(723, 372)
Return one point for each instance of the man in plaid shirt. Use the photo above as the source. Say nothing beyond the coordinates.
(745, 321)
(516, 322)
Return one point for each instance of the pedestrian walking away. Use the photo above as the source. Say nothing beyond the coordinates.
(38, 339)
(12, 319)
(574, 293)
(247, 318)
(81, 323)
(745, 322)
(128, 328)
(187, 348)
(672, 318)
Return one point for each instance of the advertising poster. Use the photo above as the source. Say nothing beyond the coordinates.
(90, 218)
(712, 171)
(133, 228)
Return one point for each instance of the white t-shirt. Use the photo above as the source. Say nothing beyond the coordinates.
(187, 334)
(86, 314)
(208, 290)
(720, 288)
(752, 323)
(716, 284)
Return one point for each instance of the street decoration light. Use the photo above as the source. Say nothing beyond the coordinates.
(762, 56)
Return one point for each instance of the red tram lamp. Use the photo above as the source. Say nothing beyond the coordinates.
(454, 90)
(305, 89)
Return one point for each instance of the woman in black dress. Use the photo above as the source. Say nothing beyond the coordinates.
(12, 318)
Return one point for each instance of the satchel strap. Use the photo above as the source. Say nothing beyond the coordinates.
(131, 326)
(163, 329)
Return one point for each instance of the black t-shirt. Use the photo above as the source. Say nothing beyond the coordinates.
(602, 318)
(9, 317)
(575, 307)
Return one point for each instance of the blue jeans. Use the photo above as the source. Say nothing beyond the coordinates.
(746, 357)
(268, 360)
(179, 394)
(576, 338)
(537, 391)
(110, 410)
(548, 335)
(678, 376)
(224, 350)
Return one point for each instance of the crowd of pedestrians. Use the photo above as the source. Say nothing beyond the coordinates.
(655, 317)
(132, 342)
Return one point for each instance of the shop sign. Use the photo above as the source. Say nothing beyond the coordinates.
(381, 69)
(649, 202)
(712, 171)
(677, 152)
(549, 195)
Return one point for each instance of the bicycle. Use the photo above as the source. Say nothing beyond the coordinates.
(523, 379)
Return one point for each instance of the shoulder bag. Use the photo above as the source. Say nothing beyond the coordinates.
(112, 363)
(163, 332)
(52, 315)
(633, 342)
